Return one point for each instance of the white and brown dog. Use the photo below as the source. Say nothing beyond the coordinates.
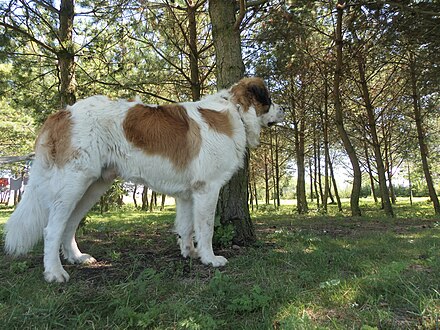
(187, 150)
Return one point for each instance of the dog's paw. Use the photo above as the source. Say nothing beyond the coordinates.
(81, 259)
(215, 261)
(59, 276)
(85, 259)
(187, 249)
(189, 252)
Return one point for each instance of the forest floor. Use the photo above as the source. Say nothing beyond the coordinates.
(305, 272)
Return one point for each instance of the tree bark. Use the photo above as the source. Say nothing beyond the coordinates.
(424, 153)
(351, 152)
(66, 54)
(233, 200)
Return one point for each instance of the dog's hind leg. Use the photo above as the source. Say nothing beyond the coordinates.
(70, 248)
(184, 226)
(67, 193)
(204, 213)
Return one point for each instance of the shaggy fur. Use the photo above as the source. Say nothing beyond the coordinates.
(187, 150)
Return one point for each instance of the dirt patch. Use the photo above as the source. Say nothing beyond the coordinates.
(156, 250)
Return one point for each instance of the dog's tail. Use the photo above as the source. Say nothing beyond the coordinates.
(25, 227)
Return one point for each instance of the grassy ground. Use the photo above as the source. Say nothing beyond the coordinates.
(314, 272)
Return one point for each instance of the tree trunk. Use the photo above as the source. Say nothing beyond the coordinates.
(370, 171)
(162, 204)
(424, 154)
(266, 178)
(134, 195)
(351, 152)
(375, 139)
(277, 170)
(312, 197)
(410, 186)
(251, 190)
(325, 124)
(255, 193)
(315, 172)
(66, 54)
(153, 200)
(335, 187)
(145, 199)
(301, 205)
(194, 54)
(233, 200)
(318, 165)
(389, 173)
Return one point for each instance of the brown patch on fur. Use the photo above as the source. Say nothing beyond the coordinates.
(54, 139)
(218, 121)
(164, 130)
(252, 91)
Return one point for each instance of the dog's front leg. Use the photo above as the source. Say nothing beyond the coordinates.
(204, 213)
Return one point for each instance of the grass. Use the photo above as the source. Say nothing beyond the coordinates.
(310, 272)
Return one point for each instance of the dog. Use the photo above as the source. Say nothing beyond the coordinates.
(186, 150)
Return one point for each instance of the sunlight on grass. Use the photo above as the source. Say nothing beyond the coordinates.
(305, 272)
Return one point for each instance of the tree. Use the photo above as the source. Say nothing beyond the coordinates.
(351, 152)
(424, 154)
(47, 31)
(375, 139)
(233, 200)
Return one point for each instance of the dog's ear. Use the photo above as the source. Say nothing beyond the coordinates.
(259, 93)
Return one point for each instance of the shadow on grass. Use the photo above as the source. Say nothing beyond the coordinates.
(304, 273)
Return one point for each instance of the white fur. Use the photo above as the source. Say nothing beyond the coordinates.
(58, 198)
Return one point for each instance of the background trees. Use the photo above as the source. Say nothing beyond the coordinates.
(385, 90)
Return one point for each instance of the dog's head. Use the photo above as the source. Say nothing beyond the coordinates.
(256, 107)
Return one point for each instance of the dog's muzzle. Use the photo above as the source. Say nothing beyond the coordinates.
(280, 115)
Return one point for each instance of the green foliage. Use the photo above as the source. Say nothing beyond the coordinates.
(112, 199)
(17, 128)
(223, 234)
(250, 302)
(19, 267)
(231, 296)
